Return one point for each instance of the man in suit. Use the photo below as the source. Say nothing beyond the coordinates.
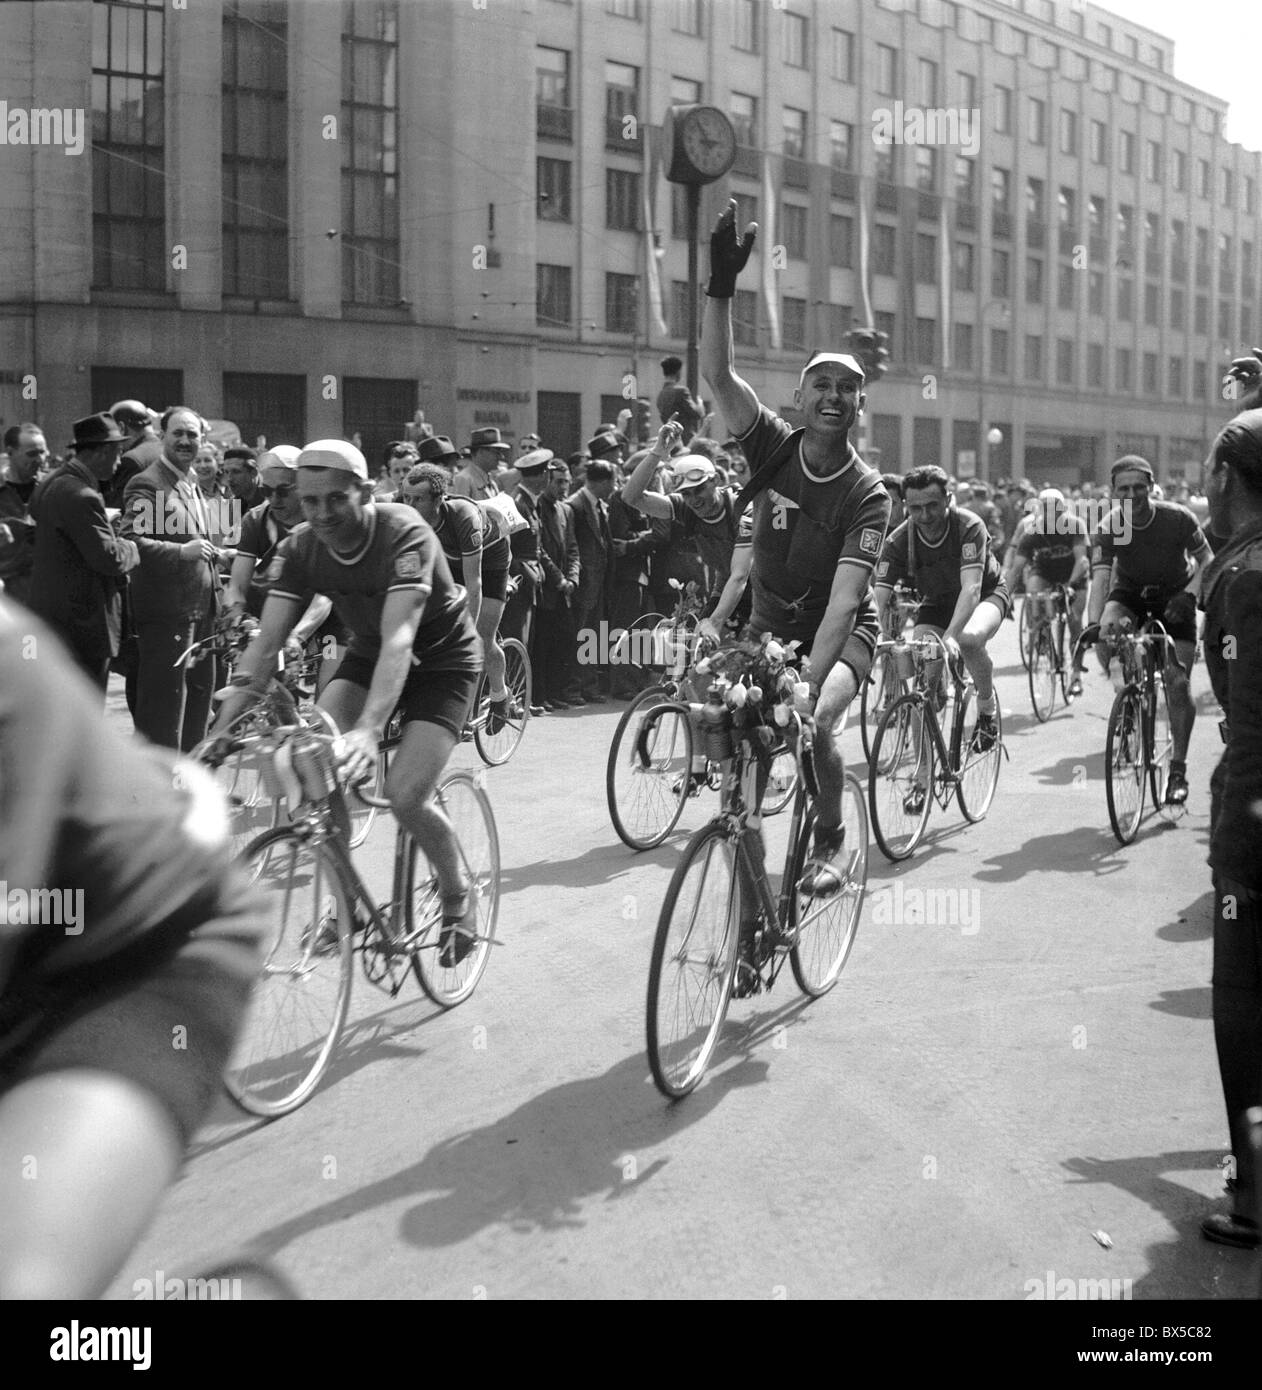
(142, 447)
(520, 608)
(28, 456)
(478, 479)
(175, 588)
(589, 507)
(80, 564)
(558, 555)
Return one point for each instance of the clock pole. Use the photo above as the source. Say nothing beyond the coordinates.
(694, 221)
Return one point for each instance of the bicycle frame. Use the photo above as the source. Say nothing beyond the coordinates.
(948, 758)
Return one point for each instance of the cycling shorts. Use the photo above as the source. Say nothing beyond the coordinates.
(939, 615)
(857, 652)
(495, 582)
(1142, 608)
(444, 698)
(163, 1013)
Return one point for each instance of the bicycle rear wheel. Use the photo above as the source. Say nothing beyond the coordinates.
(694, 961)
(241, 777)
(979, 770)
(827, 927)
(1124, 765)
(1023, 632)
(1160, 742)
(299, 1003)
(469, 810)
(900, 777)
(1042, 672)
(648, 772)
(497, 739)
(879, 692)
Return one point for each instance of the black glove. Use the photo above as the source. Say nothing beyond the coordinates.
(1090, 635)
(1180, 611)
(728, 254)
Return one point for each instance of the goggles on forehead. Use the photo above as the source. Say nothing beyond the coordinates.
(694, 477)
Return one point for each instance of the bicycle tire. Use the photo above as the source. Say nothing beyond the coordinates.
(717, 893)
(910, 763)
(1160, 742)
(292, 983)
(495, 747)
(817, 968)
(1041, 673)
(879, 692)
(1124, 764)
(1023, 632)
(1065, 661)
(648, 769)
(978, 771)
(469, 809)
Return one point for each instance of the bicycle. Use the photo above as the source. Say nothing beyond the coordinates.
(321, 915)
(1049, 627)
(912, 764)
(723, 932)
(884, 685)
(1139, 743)
(652, 771)
(497, 737)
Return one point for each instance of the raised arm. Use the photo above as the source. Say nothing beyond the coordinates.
(728, 254)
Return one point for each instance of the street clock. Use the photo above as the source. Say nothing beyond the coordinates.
(701, 142)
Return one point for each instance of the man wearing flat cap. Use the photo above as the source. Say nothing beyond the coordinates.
(80, 564)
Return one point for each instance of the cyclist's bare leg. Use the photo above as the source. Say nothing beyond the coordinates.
(1077, 607)
(414, 774)
(492, 652)
(344, 702)
(1182, 706)
(85, 1159)
(836, 693)
(979, 629)
(330, 659)
(935, 681)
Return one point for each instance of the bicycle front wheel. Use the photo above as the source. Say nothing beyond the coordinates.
(1160, 742)
(299, 1003)
(1124, 765)
(900, 777)
(648, 773)
(1023, 632)
(1042, 673)
(979, 768)
(694, 962)
(450, 966)
(497, 738)
(782, 782)
(879, 692)
(826, 927)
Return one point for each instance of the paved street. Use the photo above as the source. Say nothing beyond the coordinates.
(955, 1120)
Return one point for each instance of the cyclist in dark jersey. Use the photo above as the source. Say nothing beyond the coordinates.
(1147, 562)
(1049, 547)
(819, 518)
(945, 553)
(480, 553)
(413, 647)
(128, 947)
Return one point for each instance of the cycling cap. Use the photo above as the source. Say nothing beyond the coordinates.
(1131, 463)
(691, 470)
(844, 358)
(280, 456)
(334, 453)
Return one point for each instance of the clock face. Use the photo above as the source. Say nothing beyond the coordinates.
(708, 141)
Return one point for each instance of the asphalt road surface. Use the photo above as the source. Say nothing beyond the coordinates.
(1027, 1093)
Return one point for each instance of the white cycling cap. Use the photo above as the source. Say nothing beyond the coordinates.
(280, 456)
(334, 453)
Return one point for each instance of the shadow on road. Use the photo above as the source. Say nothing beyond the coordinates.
(1187, 1266)
(1192, 923)
(1196, 1002)
(1066, 851)
(600, 864)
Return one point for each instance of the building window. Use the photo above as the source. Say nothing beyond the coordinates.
(843, 55)
(793, 230)
(793, 38)
(255, 151)
(370, 154)
(552, 80)
(1033, 357)
(1126, 152)
(840, 321)
(965, 179)
(1095, 292)
(1036, 121)
(1152, 387)
(1123, 370)
(793, 322)
(1000, 274)
(841, 144)
(1176, 386)
(1177, 309)
(1003, 110)
(841, 241)
(1064, 361)
(794, 132)
(622, 200)
(999, 364)
(926, 258)
(883, 249)
(1202, 248)
(1228, 188)
(1202, 178)
(1179, 170)
(1067, 208)
(684, 91)
(620, 302)
(1224, 320)
(1152, 303)
(926, 340)
(1152, 161)
(686, 16)
(962, 346)
(745, 25)
(883, 163)
(743, 111)
(927, 73)
(963, 258)
(1066, 285)
(552, 190)
(626, 9)
(1201, 323)
(1068, 131)
(926, 169)
(886, 69)
(1250, 195)
(1000, 188)
(745, 318)
(1095, 367)
(968, 90)
(1152, 241)
(1126, 299)
(746, 208)
(1034, 279)
(263, 405)
(622, 96)
(552, 296)
(1099, 142)
(1035, 193)
(128, 157)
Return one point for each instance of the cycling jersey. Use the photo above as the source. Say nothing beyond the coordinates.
(804, 527)
(400, 553)
(715, 536)
(1050, 550)
(1158, 556)
(261, 534)
(934, 570)
(464, 528)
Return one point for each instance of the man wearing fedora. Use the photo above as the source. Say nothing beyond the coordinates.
(526, 567)
(558, 554)
(80, 564)
(437, 448)
(487, 455)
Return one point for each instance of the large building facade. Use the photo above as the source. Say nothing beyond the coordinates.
(314, 218)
